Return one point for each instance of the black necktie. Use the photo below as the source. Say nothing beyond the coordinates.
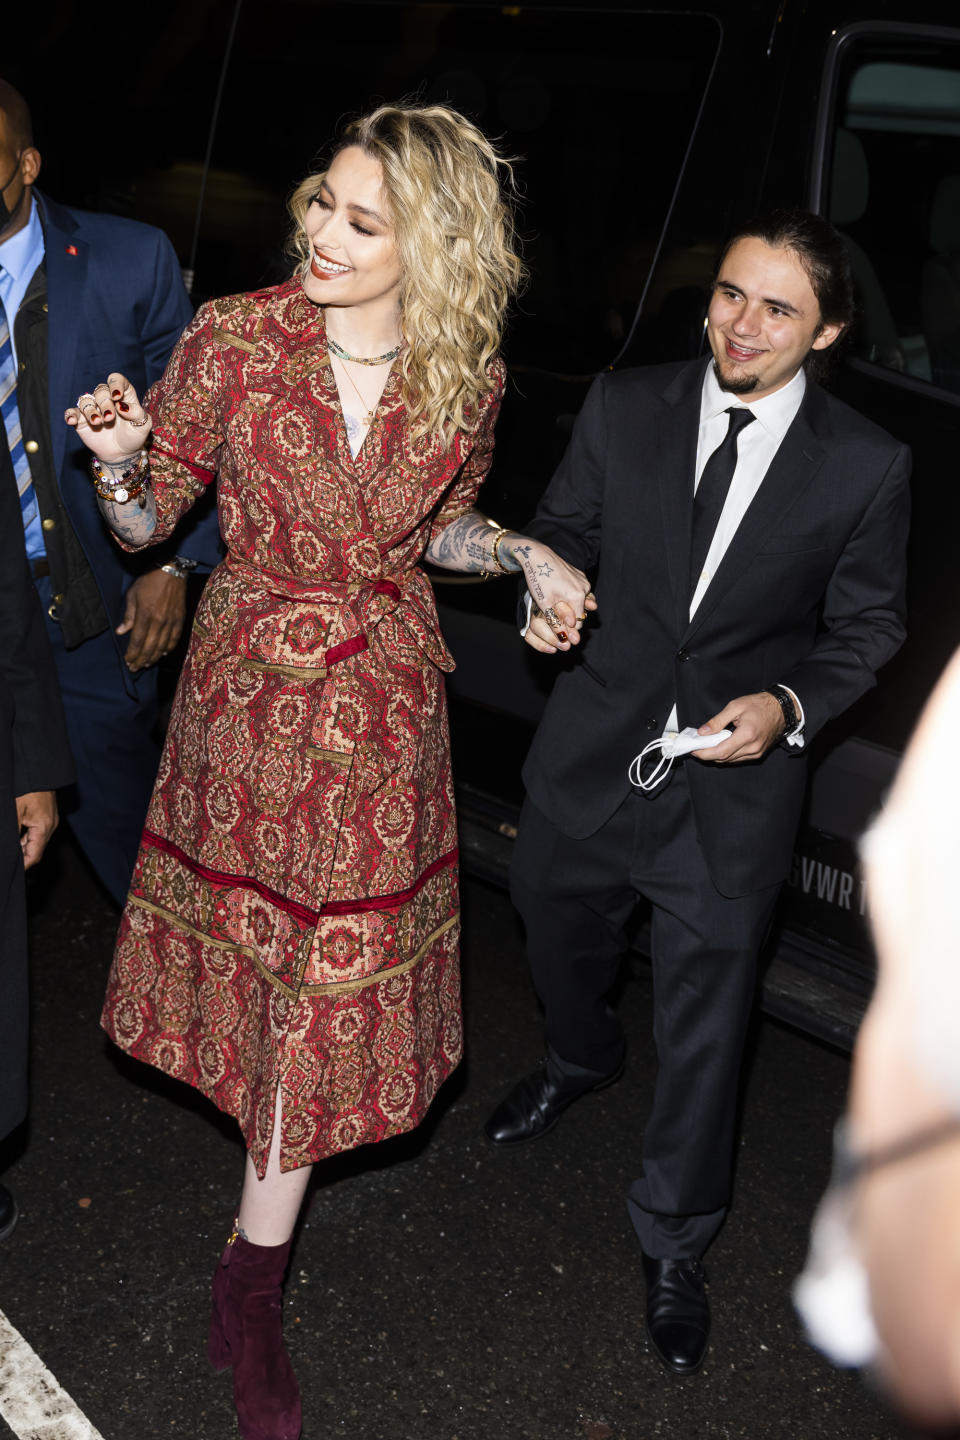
(712, 491)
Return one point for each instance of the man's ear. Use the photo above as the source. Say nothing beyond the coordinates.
(826, 335)
(30, 163)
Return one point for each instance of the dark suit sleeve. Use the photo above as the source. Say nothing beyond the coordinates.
(31, 697)
(569, 515)
(864, 606)
(168, 310)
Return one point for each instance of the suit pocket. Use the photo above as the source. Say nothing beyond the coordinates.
(787, 545)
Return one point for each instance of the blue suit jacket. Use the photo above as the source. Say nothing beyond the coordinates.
(116, 302)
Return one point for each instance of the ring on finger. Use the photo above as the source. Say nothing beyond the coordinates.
(137, 424)
(81, 399)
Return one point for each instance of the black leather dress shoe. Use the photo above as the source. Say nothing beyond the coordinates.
(536, 1103)
(9, 1213)
(678, 1316)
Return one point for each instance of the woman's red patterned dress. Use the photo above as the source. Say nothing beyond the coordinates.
(293, 916)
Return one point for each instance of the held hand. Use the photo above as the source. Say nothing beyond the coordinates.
(757, 723)
(560, 593)
(37, 819)
(111, 421)
(155, 609)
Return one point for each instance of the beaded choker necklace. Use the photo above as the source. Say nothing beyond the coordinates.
(342, 354)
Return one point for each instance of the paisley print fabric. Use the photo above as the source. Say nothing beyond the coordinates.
(293, 916)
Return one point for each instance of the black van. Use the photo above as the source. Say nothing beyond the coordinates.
(644, 134)
(673, 127)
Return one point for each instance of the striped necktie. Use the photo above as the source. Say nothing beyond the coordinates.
(11, 415)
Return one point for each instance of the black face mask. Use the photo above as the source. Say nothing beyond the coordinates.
(6, 214)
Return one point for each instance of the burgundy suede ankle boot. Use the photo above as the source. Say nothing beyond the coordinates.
(245, 1332)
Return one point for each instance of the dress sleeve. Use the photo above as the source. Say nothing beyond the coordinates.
(185, 404)
(462, 495)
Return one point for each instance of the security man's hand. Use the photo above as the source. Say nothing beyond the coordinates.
(156, 605)
(37, 819)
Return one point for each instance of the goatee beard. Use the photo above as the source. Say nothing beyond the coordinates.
(741, 385)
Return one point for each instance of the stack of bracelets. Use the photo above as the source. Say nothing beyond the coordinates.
(495, 553)
(133, 481)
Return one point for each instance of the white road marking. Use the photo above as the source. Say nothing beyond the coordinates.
(32, 1403)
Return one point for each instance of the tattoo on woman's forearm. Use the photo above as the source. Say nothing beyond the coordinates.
(463, 545)
(467, 544)
(134, 524)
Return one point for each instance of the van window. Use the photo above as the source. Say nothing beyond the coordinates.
(894, 192)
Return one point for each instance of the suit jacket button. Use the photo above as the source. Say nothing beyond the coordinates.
(683, 656)
(651, 723)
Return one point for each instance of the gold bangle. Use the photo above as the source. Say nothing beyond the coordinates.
(495, 551)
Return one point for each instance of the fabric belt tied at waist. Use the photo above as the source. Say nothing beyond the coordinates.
(367, 600)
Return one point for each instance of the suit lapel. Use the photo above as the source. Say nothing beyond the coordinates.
(66, 259)
(790, 473)
(676, 462)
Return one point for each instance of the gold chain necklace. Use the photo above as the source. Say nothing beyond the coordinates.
(367, 419)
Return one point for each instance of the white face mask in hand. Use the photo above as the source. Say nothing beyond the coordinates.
(671, 747)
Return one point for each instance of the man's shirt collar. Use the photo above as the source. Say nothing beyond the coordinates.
(775, 412)
(22, 253)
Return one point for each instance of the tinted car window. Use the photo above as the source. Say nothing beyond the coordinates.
(895, 193)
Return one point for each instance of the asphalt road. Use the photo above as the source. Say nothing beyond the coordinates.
(440, 1289)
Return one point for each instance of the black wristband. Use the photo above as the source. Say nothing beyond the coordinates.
(785, 700)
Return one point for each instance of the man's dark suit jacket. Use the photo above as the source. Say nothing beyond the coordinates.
(810, 594)
(34, 755)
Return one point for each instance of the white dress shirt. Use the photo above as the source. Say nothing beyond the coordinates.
(757, 445)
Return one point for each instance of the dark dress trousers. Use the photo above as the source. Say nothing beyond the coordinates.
(810, 594)
(108, 296)
(34, 755)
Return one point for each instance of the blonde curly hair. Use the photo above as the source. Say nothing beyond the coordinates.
(444, 186)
